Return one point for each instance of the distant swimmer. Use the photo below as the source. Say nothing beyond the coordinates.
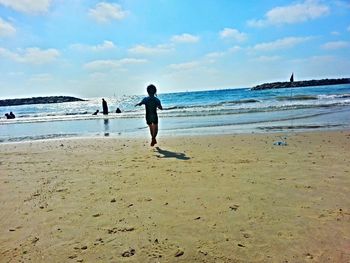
(118, 111)
(10, 115)
(104, 107)
(95, 113)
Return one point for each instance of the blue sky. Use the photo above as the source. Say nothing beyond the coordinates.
(89, 48)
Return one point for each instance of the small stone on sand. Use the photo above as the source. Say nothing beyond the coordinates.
(179, 253)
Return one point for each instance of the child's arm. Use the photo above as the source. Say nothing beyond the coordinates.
(140, 103)
(143, 101)
(159, 106)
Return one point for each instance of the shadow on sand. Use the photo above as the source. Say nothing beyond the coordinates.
(169, 154)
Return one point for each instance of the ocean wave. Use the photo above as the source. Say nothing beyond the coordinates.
(233, 102)
(298, 127)
(334, 96)
(37, 137)
(243, 101)
(76, 113)
(302, 97)
(260, 108)
(184, 111)
(52, 114)
(297, 97)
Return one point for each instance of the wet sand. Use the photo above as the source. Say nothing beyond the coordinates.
(231, 198)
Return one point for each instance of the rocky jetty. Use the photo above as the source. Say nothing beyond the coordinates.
(38, 100)
(302, 83)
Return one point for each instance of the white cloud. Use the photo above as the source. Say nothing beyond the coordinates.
(231, 33)
(102, 65)
(283, 43)
(215, 55)
(315, 60)
(342, 4)
(6, 29)
(8, 54)
(336, 45)
(184, 66)
(147, 50)
(105, 12)
(296, 13)
(40, 78)
(267, 58)
(106, 45)
(185, 38)
(33, 55)
(234, 49)
(28, 6)
(98, 76)
(38, 56)
(220, 54)
(15, 73)
(322, 58)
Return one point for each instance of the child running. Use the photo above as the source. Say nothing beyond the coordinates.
(151, 105)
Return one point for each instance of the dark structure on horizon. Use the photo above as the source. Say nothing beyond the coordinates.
(38, 100)
(302, 83)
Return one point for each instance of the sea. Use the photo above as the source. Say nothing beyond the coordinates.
(225, 111)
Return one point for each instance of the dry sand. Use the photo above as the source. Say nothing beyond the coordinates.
(232, 198)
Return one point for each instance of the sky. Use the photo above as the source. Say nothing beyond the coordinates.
(88, 48)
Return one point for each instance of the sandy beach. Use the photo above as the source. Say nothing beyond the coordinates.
(227, 198)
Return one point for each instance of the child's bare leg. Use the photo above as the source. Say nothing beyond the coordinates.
(154, 131)
(150, 129)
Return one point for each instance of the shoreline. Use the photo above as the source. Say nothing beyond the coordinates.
(173, 126)
(237, 197)
(200, 132)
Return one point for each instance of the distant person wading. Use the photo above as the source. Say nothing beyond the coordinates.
(104, 107)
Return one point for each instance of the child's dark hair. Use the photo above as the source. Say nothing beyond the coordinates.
(151, 89)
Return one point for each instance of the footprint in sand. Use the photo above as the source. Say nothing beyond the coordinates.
(129, 253)
(161, 248)
(309, 256)
(120, 229)
(234, 207)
